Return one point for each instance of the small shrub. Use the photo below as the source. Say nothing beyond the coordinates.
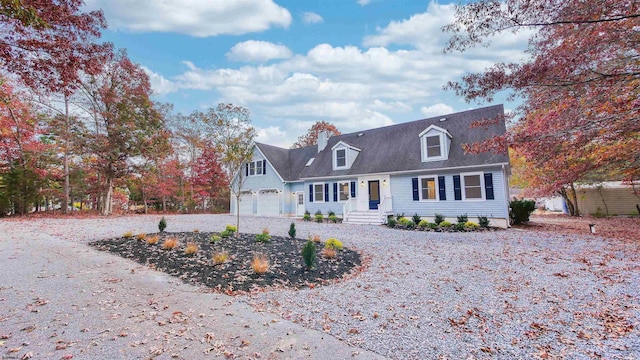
(220, 257)
(292, 231)
(309, 254)
(264, 237)
(433, 226)
(416, 218)
(152, 240)
(462, 219)
(438, 219)
(470, 225)
(423, 224)
(260, 263)
(521, 210)
(316, 238)
(162, 224)
(329, 253)
(403, 221)
(215, 238)
(459, 227)
(445, 224)
(228, 231)
(333, 243)
(410, 225)
(399, 216)
(196, 230)
(333, 218)
(483, 221)
(634, 213)
(191, 248)
(319, 218)
(307, 216)
(391, 222)
(318, 212)
(331, 213)
(141, 237)
(170, 243)
(127, 235)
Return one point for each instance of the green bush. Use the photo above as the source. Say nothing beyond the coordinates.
(162, 224)
(459, 227)
(229, 231)
(309, 254)
(470, 225)
(333, 243)
(432, 226)
(214, 239)
(391, 222)
(333, 218)
(292, 231)
(462, 219)
(331, 213)
(399, 216)
(483, 221)
(416, 218)
(403, 221)
(634, 213)
(263, 238)
(307, 216)
(445, 224)
(410, 225)
(521, 210)
(319, 218)
(422, 224)
(438, 218)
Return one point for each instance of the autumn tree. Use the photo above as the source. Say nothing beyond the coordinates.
(208, 178)
(49, 45)
(125, 122)
(311, 137)
(229, 130)
(579, 88)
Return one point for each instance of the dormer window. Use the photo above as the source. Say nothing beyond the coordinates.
(434, 143)
(341, 158)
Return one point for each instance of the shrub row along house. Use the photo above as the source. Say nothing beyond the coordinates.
(415, 167)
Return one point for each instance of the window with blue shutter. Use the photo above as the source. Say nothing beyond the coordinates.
(441, 188)
(311, 193)
(264, 167)
(456, 187)
(326, 192)
(488, 186)
(246, 169)
(416, 192)
(353, 189)
(335, 192)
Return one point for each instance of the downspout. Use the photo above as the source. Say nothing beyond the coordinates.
(284, 183)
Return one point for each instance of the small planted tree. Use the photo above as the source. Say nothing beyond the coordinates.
(162, 224)
(309, 254)
(292, 230)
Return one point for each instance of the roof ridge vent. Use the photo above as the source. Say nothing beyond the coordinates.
(443, 119)
(360, 134)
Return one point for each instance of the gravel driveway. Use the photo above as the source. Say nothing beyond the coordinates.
(505, 294)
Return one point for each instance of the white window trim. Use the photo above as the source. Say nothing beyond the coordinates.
(423, 146)
(436, 184)
(335, 159)
(348, 190)
(255, 168)
(315, 198)
(463, 188)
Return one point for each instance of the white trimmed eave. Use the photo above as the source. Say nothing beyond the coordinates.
(269, 161)
(345, 145)
(437, 128)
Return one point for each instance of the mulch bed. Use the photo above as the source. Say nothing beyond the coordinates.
(286, 265)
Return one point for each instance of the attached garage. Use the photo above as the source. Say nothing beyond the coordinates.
(246, 204)
(268, 202)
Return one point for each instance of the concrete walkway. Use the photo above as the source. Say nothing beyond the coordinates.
(61, 299)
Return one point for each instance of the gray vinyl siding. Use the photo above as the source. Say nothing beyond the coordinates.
(325, 207)
(402, 193)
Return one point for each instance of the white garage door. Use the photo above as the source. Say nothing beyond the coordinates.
(268, 203)
(246, 204)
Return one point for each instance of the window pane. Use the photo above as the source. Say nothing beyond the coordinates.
(433, 141)
(252, 168)
(428, 188)
(473, 192)
(259, 168)
(341, 158)
(433, 146)
(318, 195)
(344, 191)
(472, 180)
(472, 188)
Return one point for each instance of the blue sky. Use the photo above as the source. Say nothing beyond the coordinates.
(357, 64)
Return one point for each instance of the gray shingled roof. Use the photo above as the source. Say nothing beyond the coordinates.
(393, 148)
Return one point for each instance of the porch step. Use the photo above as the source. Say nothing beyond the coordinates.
(363, 217)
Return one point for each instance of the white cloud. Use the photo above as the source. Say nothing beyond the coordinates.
(201, 18)
(273, 135)
(160, 84)
(363, 2)
(312, 18)
(258, 51)
(435, 110)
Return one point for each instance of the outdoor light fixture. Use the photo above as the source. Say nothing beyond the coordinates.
(384, 182)
(362, 183)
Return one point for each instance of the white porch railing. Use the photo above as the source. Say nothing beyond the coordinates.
(347, 208)
(385, 208)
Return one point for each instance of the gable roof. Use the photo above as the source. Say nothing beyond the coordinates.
(394, 148)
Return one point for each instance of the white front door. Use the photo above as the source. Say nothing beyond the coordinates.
(300, 203)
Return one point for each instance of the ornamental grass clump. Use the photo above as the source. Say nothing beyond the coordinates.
(260, 263)
(483, 221)
(318, 217)
(170, 243)
(309, 254)
(141, 237)
(306, 216)
(333, 243)
(329, 253)
(127, 235)
(220, 257)
(152, 240)
(438, 219)
(191, 249)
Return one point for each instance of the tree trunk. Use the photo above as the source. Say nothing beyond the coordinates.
(108, 197)
(238, 214)
(65, 157)
(575, 200)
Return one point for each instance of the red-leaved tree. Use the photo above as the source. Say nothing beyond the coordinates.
(311, 137)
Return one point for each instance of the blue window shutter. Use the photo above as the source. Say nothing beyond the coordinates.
(335, 192)
(326, 192)
(246, 169)
(311, 193)
(264, 167)
(456, 187)
(441, 188)
(488, 186)
(416, 191)
(353, 189)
